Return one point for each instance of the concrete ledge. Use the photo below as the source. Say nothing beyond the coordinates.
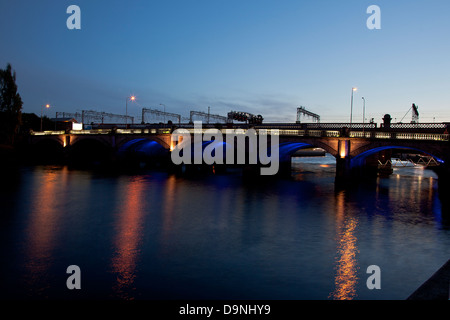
(435, 288)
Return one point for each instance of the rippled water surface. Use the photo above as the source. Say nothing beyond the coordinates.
(158, 236)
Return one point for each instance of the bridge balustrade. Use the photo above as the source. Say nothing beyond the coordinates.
(93, 131)
(415, 126)
(48, 133)
(281, 130)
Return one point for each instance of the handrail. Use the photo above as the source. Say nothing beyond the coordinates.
(378, 134)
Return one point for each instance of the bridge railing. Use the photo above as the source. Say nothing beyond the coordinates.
(144, 131)
(47, 133)
(337, 134)
(317, 126)
(367, 134)
(439, 128)
(400, 135)
(93, 131)
(331, 126)
(415, 126)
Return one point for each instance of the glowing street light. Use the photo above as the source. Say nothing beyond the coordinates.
(42, 112)
(351, 110)
(131, 98)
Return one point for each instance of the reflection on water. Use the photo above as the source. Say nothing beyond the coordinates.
(155, 235)
(43, 227)
(128, 237)
(169, 200)
(346, 265)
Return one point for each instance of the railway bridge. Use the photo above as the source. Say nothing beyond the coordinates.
(356, 146)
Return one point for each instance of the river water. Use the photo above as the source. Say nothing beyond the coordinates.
(154, 235)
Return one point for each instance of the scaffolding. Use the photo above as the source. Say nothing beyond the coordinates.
(301, 111)
(207, 116)
(159, 113)
(90, 116)
(77, 116)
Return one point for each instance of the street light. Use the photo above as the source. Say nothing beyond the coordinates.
(132, 98)
(364, 113)
(351, 108)
(42, 112)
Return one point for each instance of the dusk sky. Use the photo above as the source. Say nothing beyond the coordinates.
(264, 57)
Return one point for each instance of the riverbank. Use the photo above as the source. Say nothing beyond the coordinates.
(435, 288)
(8, 154)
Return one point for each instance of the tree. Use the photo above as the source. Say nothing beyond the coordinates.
(10, 106)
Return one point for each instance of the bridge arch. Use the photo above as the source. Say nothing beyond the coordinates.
(329, 145)
(359, 159)
(143, 146)
(142, 152)
(128, 141)
(104, 140)
(287, 149)
(48, 150)
(89, 151)
(47, 139)
(207, 148)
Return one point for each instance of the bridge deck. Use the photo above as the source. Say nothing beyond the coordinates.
(279, 130)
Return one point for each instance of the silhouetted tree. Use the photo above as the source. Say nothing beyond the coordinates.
(10, 106)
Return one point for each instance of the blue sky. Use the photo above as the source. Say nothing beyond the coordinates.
(262, 56)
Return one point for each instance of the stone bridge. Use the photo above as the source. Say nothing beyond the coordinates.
(353, 149)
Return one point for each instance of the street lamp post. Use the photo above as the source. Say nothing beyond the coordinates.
(42, 112)
(351, 108)
(132, 98)
(364, 113)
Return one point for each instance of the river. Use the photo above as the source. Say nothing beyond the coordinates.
(154, 235)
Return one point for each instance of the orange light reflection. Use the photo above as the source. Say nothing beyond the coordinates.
(128, 239)
(169, 200)
(43, 226)
(346, 266)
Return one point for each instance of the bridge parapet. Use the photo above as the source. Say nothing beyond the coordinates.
(400, 135)
(351, 148)
(435, 126)
(271, 130)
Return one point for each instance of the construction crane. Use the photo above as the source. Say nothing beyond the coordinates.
(302, 111)
(100, 116)
(208, 116)
(415, 113)
(245, 116)
(160, 113)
